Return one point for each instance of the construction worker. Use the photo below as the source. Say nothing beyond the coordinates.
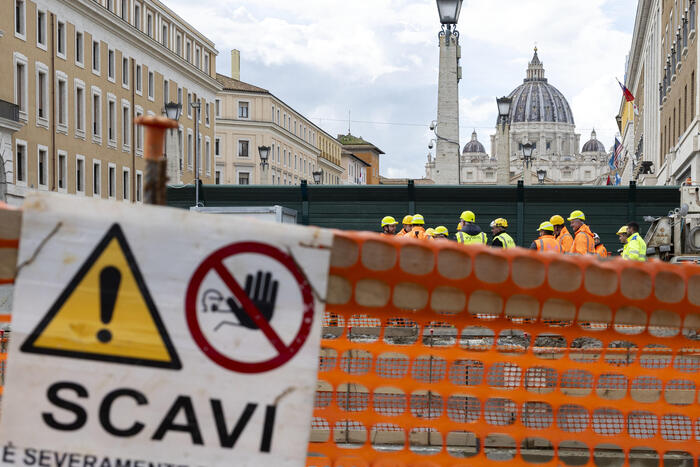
(635, 248)
(583, 237)
(600, 249)
(501, 239)
(622, 234)
(407, 226)
(441, 233)
(418, 231)
(562, 235)
(546, 241)
(468, 232)
(430, 233)
(389, 225)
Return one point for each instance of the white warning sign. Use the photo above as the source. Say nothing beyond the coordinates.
(152, 336)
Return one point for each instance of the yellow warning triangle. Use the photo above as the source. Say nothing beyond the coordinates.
(106, 313)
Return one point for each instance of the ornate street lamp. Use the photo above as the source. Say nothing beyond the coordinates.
(264, 152)
(449, 11)
(527, 153)
(173, 111)
(318, 174)
(504, 104)
(197, 108)
(503, 140)
(541, 175)
(527, 149)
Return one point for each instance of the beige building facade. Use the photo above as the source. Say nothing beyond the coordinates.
(80, 72)
(354, 169)
(249, 117)
(330, 161)
(366, 151)
(660, 139)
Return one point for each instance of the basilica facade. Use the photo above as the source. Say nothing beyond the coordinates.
(541, 116)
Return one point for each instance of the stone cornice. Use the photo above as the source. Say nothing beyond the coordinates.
(10, 124)
(139, 40)
(162, 9)
(323, 160)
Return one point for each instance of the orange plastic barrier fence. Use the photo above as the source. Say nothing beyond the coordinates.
(438, 354)
(10, 222)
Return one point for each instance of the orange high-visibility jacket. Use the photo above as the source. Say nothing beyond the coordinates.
(417, 232)
(547, 243)
(601, 251)
(565, 240)
(584, 243)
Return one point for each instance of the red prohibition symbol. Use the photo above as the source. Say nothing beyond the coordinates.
(214, 262)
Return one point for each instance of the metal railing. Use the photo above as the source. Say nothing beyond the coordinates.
(674, 59)
(9, 110)
(691, 16)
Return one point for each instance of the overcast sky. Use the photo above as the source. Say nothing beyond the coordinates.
(378, 59)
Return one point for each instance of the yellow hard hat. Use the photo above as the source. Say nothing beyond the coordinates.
(557, 220)
(430, 232)
(577, 215)
(546, 226)
(388, 220)
(442, 230)
(500, 222)
(622, 230)
(408, 220)
(418, 220)
(468, 216)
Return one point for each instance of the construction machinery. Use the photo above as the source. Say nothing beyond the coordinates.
(676, 237)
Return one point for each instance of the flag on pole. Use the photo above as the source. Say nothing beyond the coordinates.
(618, 153)
(618, 179)
(629, 97)
(609, 181)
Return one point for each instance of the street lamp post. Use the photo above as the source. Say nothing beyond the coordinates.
(173, 111)
(527, 149)
(541, 175)
(196, 106)
(264, 152)
(318, 175)
(447, 125)
(503, 148)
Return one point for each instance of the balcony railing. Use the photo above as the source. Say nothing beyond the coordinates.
(691, 18)
(673, 60)
(9, 111)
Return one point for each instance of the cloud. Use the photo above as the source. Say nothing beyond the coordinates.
(379, 58)
(351, 39)
(397, 173)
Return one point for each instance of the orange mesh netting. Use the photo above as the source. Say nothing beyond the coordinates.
(438, 354)
(10, 220)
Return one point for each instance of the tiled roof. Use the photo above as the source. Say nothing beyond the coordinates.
(231, 84)
(350, 140)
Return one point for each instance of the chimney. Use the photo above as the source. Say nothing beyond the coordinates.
(236, 64)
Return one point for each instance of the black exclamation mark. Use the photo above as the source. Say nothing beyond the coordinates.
(110, 278)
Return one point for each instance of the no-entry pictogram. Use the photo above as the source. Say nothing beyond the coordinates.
(249, 310)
